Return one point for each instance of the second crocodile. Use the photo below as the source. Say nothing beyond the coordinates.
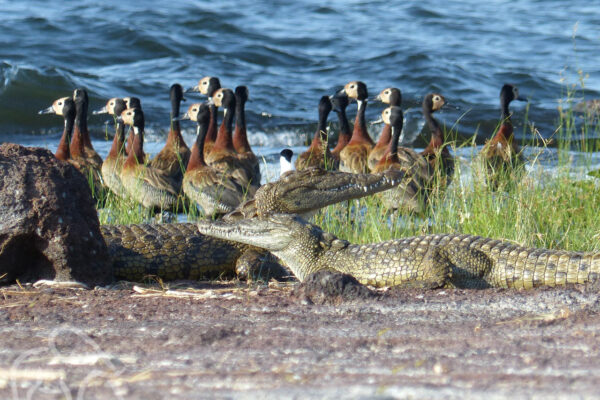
(179, 251)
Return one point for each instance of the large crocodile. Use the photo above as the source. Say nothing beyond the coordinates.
(452, 260)
(179, 251)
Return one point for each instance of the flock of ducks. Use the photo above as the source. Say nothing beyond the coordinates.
(220, 170)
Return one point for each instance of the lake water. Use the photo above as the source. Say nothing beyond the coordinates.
(291, 53)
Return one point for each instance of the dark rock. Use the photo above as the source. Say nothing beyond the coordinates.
(330, 287)
(49, 228)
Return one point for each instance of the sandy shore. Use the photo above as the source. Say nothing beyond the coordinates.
(231, 340)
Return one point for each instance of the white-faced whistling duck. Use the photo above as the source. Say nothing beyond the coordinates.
(81, 132)
(175, 155)
(353, 157)
(112, 165)
(392, 97)
(150, 187)
(240, 135)
(222, 156)
(208, 86)
(212, 189)
(502, 152)
(437, 155)
(410, 195)
(318, 154)
(285, 161)
(64, 107)
(340, 102)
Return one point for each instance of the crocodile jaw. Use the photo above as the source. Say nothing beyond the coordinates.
(263, 233)
(304, 191)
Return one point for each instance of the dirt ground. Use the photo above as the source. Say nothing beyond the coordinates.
(232, 340)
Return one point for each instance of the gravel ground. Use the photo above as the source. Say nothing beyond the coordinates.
(233, 340)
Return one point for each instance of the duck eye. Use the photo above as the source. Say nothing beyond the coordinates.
(60, 103)
(387, 92)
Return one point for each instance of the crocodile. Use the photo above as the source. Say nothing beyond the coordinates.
(179, 251)
(430, 261)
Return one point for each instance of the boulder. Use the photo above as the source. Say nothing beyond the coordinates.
(49, 227)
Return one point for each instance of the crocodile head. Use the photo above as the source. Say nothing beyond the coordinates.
(299, 192)
(297, 242)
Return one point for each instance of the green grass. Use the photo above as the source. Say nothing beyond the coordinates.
(533, 209)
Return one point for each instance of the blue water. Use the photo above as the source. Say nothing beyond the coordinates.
(291, 53)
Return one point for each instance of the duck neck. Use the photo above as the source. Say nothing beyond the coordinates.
(211, 135)
(197, 156)
(117, 145)
(224, 140)
(136, 155)
(321, 133)
(240, 137)
(174, 138)
(385, 137)
(506, 128)
(393, 147)
(360, 133)
(81, 127)
(437, 135)
(505, 111)
(62, 152)
(345, 134)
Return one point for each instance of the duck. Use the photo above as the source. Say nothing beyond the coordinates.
(112, 165)
(391, 96)
(65, 107)
(318, 154)
(339, 103)
(208, 86)
(354, 156)
(81, 132)
(285, 161)
(175, 155)
(150, 187)
(223, 155)
(240, 135)
(410, 195)
(502, 153)
(212, 189)
(71, 148)
(437, 155)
